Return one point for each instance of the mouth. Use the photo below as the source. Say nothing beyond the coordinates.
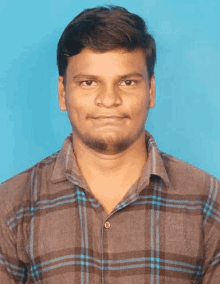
(109, 117)
(109, 121)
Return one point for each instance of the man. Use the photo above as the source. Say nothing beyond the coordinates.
(109, 207)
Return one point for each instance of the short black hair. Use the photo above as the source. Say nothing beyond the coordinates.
(102, 29)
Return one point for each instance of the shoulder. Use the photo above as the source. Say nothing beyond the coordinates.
(187, 177)
(17, 189)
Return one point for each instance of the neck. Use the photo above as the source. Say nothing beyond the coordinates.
(122, 166)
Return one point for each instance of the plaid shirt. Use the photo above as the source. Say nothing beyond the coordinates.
(165, 230)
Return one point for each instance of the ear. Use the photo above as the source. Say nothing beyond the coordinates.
(152, 92)
(62, 93)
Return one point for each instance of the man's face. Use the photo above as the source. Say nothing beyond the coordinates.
(107, 97)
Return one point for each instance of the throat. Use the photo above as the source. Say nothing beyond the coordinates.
(110, 193)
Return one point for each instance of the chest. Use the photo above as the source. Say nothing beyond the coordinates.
(143, 240)
(109, 196)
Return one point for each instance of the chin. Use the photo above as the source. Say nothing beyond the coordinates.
(107, 143)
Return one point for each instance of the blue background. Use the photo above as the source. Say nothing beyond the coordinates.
(186, 119)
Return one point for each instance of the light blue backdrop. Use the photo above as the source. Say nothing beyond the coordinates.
(186, 119)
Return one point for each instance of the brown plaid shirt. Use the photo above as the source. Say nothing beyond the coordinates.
(165, 230)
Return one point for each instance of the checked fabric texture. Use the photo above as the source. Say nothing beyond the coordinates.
(165, 230)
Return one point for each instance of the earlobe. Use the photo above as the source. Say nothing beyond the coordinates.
(152, 92)
(61, 94)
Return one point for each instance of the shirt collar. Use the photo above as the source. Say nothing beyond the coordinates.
(66, 166)
(155, 163)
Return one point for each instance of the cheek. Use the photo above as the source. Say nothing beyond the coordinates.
(73, 102)
(77, 111)
(140, 106)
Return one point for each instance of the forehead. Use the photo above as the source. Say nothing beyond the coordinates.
(107, 63)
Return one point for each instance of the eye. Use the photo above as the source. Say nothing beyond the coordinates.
(128, 83)
(88, 83)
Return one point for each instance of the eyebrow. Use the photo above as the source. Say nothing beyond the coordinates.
(135, 74)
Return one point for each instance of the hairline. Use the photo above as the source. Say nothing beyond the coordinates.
(145, 50)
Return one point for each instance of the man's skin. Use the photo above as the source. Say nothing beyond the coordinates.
(110, 152)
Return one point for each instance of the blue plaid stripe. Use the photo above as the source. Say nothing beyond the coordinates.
(18, 269)
(34, 189)
(209, 204)
(81, 262)
(86, 260)
(155, 240)
(66, 199)
(127, 202)
(215, 260)
(152, 226)
(141, 200)
(92, 261)
(159, 189)
(15, 270)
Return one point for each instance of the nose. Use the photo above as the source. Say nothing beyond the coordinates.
(108, 97)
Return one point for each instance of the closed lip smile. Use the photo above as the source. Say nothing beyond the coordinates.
(109, 120)
(108, 117)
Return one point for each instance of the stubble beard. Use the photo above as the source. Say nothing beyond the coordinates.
(107, 145)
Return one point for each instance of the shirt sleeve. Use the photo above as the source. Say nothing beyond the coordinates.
(12, 270)
(211, 266)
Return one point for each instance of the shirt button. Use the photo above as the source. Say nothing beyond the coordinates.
(107, 225)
